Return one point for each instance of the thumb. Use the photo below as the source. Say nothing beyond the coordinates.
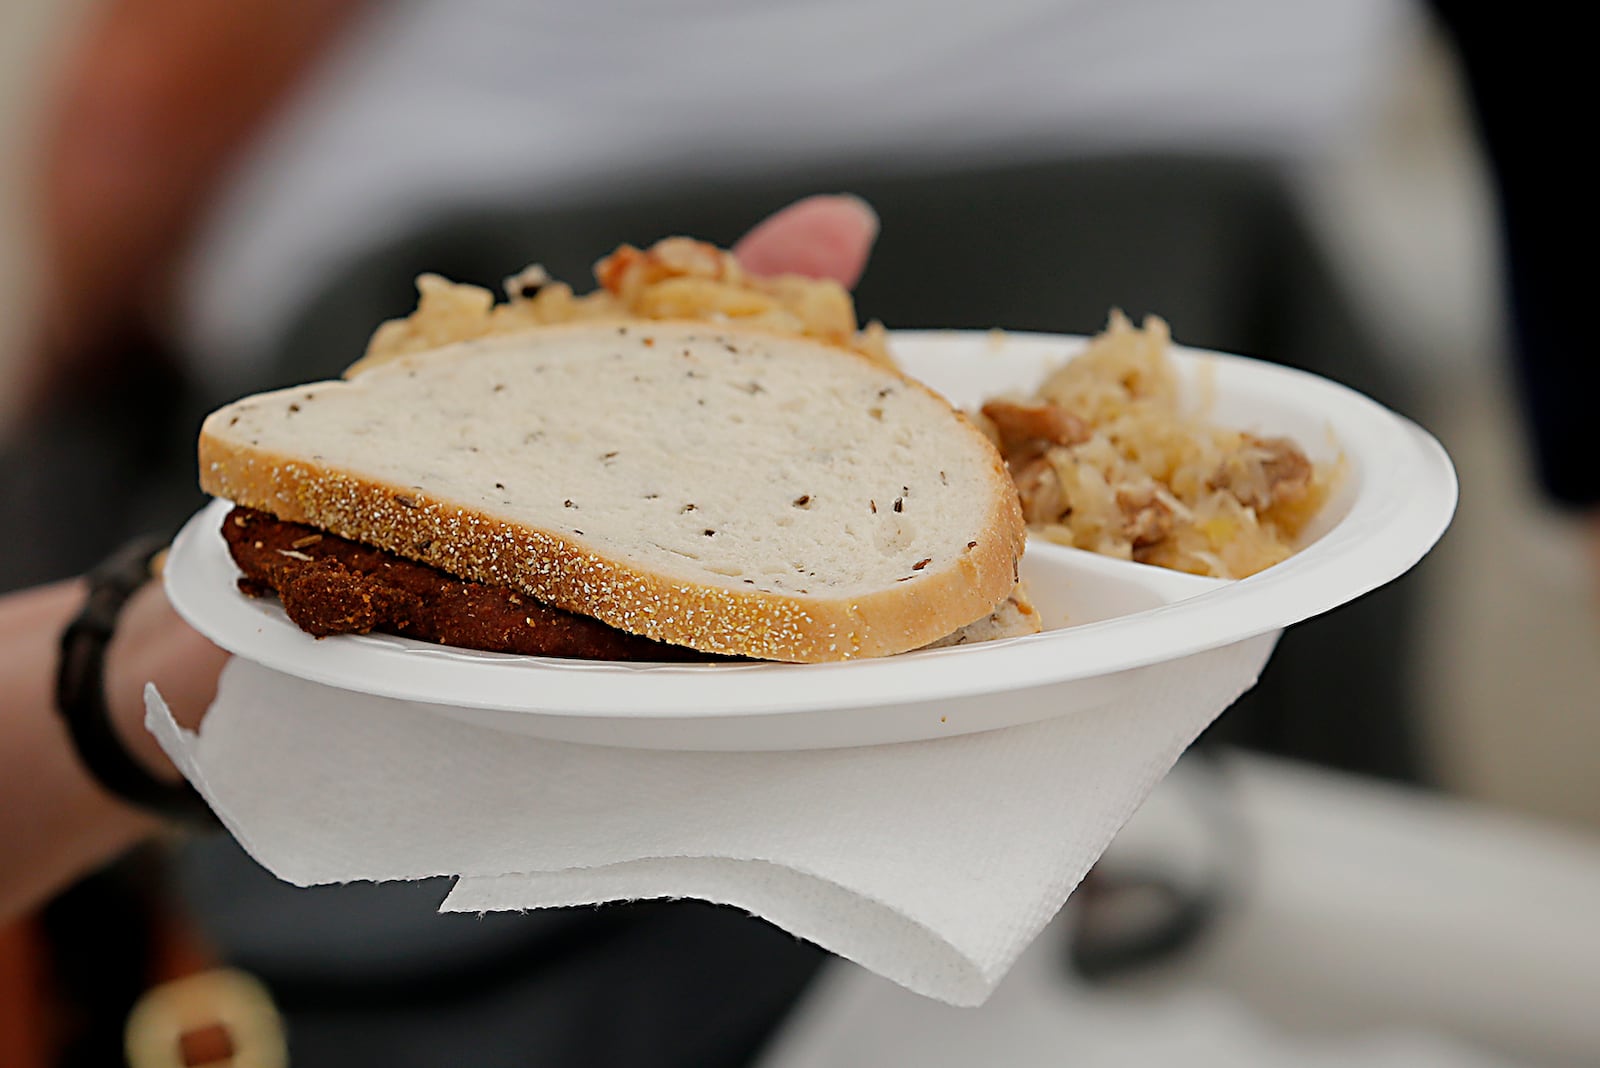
(820, 237)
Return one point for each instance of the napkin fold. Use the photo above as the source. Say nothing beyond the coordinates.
(932, 863)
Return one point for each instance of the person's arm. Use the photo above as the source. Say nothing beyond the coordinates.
(57, 822)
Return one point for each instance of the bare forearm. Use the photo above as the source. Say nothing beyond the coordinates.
(55, 822)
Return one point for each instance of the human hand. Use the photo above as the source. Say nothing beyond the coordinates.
(56, 822)
(153, 644)
(821, 237)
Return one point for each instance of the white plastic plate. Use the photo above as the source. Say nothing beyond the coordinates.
(1105, 619)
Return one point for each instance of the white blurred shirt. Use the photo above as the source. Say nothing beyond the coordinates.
(432, 105)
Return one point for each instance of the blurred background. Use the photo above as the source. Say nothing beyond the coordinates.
(1302, 181)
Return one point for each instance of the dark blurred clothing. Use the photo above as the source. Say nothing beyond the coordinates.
(1527, 78)
(371, 975)
(88, 468)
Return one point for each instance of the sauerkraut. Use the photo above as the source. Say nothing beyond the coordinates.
(1107, 456)
(676, 278)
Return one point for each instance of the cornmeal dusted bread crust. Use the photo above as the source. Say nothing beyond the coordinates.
(731, 490)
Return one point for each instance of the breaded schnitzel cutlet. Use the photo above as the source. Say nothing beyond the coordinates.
(330, 585)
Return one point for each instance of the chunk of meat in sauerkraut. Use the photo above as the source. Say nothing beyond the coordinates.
(1109, 455)
(1148, 515)
(1265, 472)
(1020, 426)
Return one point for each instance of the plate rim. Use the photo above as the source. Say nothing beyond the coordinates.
(1287, 593)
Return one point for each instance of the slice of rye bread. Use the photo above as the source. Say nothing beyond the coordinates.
(729, 490)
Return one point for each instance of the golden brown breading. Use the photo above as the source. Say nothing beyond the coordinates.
(330, 585)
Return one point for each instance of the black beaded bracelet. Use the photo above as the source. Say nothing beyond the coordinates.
(80, 691)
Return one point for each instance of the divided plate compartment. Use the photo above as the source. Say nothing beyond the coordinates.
(693, 706)
(1106, 620)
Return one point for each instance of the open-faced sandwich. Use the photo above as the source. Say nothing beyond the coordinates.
(689, 461)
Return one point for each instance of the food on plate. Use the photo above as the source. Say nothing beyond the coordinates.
(676, 278)
(731, 490)
(1107, 456)
(1012, 617)
(331, 585)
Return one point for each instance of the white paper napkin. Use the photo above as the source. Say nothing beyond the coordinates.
(932, 863)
